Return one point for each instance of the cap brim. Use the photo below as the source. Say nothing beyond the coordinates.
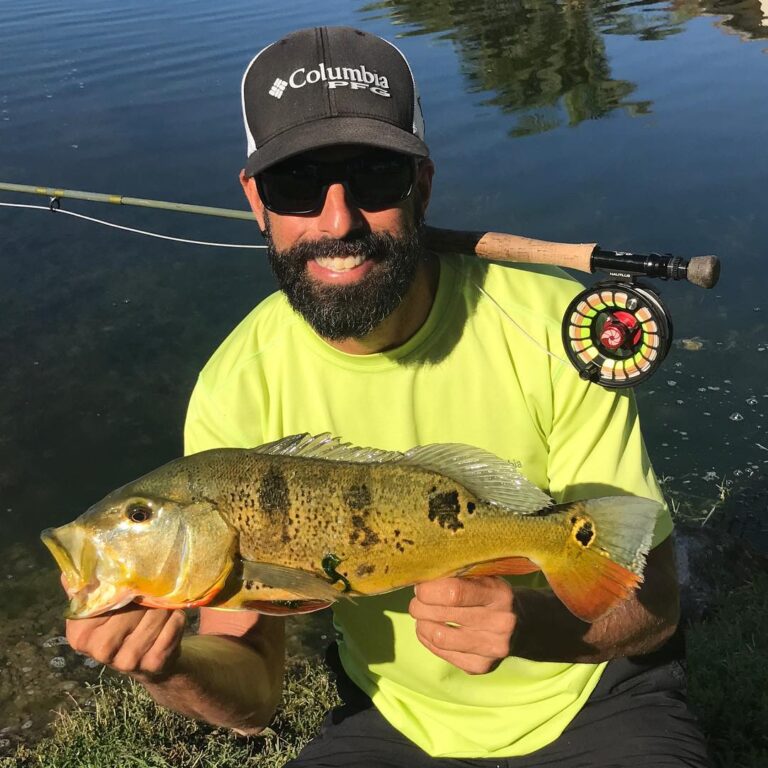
(331, 131)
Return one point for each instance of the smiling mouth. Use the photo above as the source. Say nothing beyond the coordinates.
(340, 263)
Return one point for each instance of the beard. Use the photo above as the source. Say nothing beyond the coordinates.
(338, 312)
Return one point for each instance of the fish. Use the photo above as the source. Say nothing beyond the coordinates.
(300, 523)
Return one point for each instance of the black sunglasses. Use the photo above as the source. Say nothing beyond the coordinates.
(374, 181)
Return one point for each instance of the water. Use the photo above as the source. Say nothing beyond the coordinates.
(639, 125)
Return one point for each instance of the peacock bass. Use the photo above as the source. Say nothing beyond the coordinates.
(296, 524)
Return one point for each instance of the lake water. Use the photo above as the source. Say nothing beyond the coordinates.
(636, 124)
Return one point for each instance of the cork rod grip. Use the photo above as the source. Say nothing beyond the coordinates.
(496, 246)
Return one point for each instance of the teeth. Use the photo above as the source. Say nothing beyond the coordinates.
(339, 263)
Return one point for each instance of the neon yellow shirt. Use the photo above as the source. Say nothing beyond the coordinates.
(468, 375)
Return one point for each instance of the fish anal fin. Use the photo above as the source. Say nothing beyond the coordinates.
(593, 585)
(505, 566)
(285, 607)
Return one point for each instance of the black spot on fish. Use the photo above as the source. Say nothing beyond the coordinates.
(365, 569)
(274, 498)
(362, 533)
(357, 496)
(444, 507)
(249, 584)
(585, 533)
(470, 507)
(408, 541)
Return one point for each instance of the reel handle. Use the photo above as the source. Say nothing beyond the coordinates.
(703, 271)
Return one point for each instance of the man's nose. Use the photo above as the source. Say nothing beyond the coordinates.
(339, 216)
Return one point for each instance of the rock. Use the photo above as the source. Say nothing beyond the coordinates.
(52, 642)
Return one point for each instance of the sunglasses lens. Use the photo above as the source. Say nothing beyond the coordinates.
(381, 180)
(291, 188)
(375, 180)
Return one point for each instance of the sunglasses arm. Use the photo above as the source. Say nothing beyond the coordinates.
(703, 271)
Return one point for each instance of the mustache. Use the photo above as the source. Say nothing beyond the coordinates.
(374, 245)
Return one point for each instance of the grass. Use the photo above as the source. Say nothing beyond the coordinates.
(124, 727)
(728, 676)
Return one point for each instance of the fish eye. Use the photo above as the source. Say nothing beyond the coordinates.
(139, 512)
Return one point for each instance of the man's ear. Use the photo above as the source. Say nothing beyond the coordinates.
(425, 171)
(252, 195)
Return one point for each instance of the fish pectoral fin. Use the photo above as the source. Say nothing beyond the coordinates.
(505, 566)
(301, 583)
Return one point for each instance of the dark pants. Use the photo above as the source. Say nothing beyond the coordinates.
(635, 718)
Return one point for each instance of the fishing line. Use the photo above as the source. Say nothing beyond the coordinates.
(517, 325)
(53, 209)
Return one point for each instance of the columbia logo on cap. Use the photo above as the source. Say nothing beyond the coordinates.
(278, 88)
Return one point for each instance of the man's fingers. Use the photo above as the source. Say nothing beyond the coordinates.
(478, 642)
(78, 629)
(101, 637)
(167, 646)
(471, 618)
(141, 641)
(480, 591)
(471, 663)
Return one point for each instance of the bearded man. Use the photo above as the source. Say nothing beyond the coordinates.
(376, 340)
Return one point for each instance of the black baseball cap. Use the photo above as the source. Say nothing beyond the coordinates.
(329, 85)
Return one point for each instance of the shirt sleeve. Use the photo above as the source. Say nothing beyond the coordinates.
(596, 447)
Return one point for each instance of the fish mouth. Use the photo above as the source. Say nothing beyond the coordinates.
(77, 557)
(74, 578)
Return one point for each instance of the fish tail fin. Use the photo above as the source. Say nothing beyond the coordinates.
(604, 554)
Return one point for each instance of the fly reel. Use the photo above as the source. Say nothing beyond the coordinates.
(617, 333)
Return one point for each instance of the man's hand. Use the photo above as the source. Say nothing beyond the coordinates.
(141, 642)
(467, 622)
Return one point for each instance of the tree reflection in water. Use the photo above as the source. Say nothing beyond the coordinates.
(546, 62)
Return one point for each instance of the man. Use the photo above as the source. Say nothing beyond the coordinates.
(376, 340)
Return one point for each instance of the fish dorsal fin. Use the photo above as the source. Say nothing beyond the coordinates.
(327, 447)
(482, 473)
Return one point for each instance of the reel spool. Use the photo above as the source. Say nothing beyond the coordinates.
(616, 333)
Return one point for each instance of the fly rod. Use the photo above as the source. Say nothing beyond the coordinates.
(615, 333)
(702, 271)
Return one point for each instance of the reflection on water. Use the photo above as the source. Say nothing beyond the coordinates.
(547, 62)
(748, 18)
